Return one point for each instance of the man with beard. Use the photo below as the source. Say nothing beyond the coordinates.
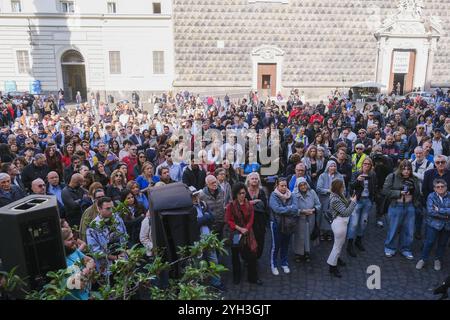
(193, 175)
(79, 279)
(75, 199)
(164, 175)
(106, 235)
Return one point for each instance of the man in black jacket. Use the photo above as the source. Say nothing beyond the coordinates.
(194, 176)
(37, 169)
(75, 199)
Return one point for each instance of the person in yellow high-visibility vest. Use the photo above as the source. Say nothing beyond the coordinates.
(358, 157)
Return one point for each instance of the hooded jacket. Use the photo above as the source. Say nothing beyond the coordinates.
(324, 182)
(309, 200)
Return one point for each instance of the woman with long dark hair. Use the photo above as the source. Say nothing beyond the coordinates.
(133, 215)
(140, 163)
(69, 151)
(100, 174)
(54, 161)
(341, 209)
(114, 147)
(240, 216)
(403, 190)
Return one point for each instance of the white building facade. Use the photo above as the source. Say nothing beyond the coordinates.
(100, 47)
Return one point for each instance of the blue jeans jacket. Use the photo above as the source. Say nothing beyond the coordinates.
(438, 211)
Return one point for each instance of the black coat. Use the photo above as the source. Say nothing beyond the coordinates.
(194, 178)
(32, 172)
(358, 186)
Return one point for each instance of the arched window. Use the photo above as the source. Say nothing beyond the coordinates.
(72, 57)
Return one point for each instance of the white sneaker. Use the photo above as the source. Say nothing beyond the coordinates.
(286, 269)
(275, 272)
(437, 265)
(420, 264)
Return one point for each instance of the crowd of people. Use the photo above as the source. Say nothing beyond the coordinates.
(336, 164)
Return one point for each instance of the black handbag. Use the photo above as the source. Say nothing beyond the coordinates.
(288, 224)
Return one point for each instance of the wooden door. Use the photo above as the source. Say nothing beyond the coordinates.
(267, 79)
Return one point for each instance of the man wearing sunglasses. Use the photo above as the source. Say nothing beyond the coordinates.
(107, 235)
(440, 172)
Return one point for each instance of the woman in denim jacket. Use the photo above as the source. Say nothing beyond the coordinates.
(281, 203)
(437, 224)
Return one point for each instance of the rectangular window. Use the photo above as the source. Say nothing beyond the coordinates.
(16, 6)
(112, 7)
(158, 62)
(156, 7)
(114, 62)
(23, 62)
(67, 7)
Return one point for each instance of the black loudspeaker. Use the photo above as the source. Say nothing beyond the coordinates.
(173, 221)
(30, 238)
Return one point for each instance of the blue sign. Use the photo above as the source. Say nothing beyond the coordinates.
(35, 87)
(10, 86)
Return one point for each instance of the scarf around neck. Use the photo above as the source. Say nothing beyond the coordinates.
(284, 197)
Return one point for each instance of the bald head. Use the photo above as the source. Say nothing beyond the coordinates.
(38, 186)
(53, 178)
(76, 181)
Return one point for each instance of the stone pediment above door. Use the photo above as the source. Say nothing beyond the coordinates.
(409, 21)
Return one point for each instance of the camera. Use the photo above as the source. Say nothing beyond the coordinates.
(408, 186)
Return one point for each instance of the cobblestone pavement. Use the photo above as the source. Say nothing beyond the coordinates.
(311, 281)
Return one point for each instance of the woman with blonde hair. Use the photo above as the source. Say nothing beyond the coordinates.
(116, 185)
(313, 165)
(258, 199)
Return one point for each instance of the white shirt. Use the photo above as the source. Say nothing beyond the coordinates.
(437, 147)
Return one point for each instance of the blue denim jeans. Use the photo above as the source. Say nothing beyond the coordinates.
(432, 234)
(280, 244)
(211, 256)
(359, 218)
(400, 216)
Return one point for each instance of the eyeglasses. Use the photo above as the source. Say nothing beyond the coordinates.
(359, 149)
(440, 187)
(440, 162)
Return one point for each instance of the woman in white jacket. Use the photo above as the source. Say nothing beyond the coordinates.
(145, 236)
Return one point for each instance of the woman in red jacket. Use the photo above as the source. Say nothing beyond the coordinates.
(239, 215)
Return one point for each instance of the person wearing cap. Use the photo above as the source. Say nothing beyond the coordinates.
(37, 169)
(363, 139)
(205, 220)
(440, 145)
(358, 157)
(324, 190)
(308, 204)
(8, 192)
(416, 138)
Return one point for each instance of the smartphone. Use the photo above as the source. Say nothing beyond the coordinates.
(236, 238)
